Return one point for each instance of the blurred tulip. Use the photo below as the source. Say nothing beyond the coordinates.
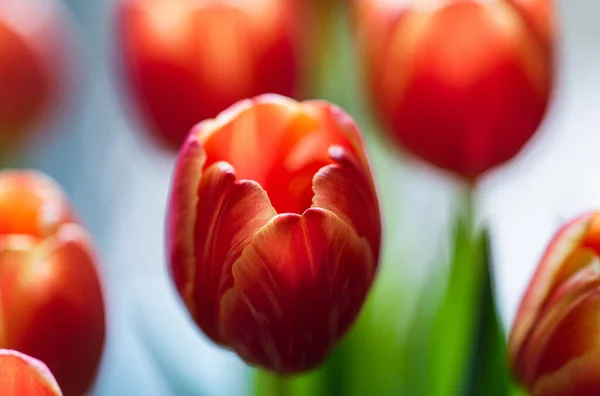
(22, 375)
(554, 345)
(35, 64)
(274, 229)
(188, 60)
(51, 304)
(463, 84)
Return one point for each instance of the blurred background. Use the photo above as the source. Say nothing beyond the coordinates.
(118, 182)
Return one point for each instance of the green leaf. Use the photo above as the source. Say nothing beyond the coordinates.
(465, 349)
(454, 323)
(489, 372)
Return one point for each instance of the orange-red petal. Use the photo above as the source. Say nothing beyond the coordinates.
(23, 375)
(564, 243)
(554, 337)
(297, 288)
(347, 190)
(52, 305)
(211, 217)
(221, 235)
(31, 204)
(579, 377)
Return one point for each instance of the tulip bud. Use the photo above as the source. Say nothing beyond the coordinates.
(462, 84)
(188, 60)
(554, 345)
(274, 229)
(35, 50)
(22, 375)
(51, 304)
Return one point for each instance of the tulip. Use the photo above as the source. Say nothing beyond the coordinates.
(187, 60)
(35, 64)
(273, 229)
(554, 346)
(51, 304)
(461, 84)
(23, 375)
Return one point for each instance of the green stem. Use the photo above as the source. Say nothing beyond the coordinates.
(321, 49)
(269, 384)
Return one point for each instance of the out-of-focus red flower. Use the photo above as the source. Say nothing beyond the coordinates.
(36, 51)
(188, 60)
(51, 304)
(463, 84)
(22, 375)
(554, 345)
(274, 229)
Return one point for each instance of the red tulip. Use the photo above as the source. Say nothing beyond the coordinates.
(22, 375)
(51, 304)
(188, 60)
(34, 64)
(554, 345)
(274, 229)
(463, 84)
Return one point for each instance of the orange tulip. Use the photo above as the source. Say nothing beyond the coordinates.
(462, 84)
(35, 52)
(22, 375)
(51, 304)
(274, 229)
(188, 60)
(554, 345)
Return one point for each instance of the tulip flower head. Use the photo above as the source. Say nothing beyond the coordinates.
(51, 304)
(462, 84)
(36, 54)
(188, 60)
(274, 229)
(22, 375)
(554, 346)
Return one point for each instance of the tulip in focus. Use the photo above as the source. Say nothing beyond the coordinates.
(274, 229)
(22, 375)
(51, 304)
(36, 55)
(463, 84)
(187, 60)
(554, 344)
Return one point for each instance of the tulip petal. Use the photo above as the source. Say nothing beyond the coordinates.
(23, 375)
(579, 377)
(228, 215)
(568, 360)
(181, 216)
(345, 189)
(56, 314)
(31, 203)
(564, 243)
(297, 288)
(211, 217)
(539, 354)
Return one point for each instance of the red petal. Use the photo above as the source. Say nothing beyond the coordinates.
(345, 189)
(31, 203)
(211, 217)
(341, 130)
(539, 354)
(23, 375)
(297, 289)
(59, 307)
(228, 215)
(54, 308)
(579, 377)
(182, 215)
(574, 335)
(545, 279)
